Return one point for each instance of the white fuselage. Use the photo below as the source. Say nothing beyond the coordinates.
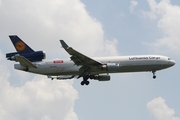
(116, 64)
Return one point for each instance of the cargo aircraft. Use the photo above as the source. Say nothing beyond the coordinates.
(80, 65)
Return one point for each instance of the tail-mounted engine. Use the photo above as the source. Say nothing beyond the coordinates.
(33, 56)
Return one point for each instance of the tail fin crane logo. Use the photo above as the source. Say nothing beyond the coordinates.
(20, 46)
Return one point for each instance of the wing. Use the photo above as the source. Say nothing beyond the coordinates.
(79, 58)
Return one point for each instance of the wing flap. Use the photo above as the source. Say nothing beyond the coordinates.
(62, 77)
(25, 62)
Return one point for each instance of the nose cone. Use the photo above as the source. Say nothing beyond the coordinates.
(172, 62)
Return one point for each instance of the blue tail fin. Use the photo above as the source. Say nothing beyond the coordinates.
(19, 45)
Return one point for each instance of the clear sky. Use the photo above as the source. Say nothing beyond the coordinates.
(94, 28)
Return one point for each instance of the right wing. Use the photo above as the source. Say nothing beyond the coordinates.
(79, 58)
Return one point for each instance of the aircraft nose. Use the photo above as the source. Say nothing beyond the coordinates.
(172, 62)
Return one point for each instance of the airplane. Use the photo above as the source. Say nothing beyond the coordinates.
(80, 65)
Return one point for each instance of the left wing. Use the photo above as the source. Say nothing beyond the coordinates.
(78, 58)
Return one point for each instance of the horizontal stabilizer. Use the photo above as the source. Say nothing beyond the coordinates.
(25, 62)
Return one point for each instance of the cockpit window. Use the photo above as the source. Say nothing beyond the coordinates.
(169, 58)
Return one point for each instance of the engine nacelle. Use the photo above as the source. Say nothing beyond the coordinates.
(33, 56)
(111, 67)
(102, 77)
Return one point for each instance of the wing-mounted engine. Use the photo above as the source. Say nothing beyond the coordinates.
(102, 77)
(32, 56)
(111, 67)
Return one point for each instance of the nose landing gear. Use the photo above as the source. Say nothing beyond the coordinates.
(154, 76)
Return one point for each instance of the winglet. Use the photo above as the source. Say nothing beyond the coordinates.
(64, 45)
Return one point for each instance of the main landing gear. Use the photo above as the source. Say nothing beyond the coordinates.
(154, 76)
(85, 80)
(85, 83)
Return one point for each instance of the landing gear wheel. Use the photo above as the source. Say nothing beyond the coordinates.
(82, 83)
(87, 82)
(154, 77)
